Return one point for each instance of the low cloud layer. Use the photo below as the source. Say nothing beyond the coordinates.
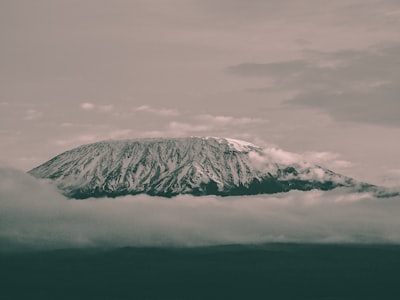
(33, 215)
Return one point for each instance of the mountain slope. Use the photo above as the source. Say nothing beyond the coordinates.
(168, 167)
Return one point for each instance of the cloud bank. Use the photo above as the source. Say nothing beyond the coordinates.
(350, 85)
(33, 215)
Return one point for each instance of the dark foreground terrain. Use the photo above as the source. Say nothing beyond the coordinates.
(271, 271)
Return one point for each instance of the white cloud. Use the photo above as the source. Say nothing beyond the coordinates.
(282, 157)
(100, 108)
(106, 108)
(33, 214)
(273, 155)
(120, 133)
(329, 159)
(88, 106)
(343, 164)
(78, 140)
(32, 114)
(216, 119)
(94, 134)
(184, 128)
(75, 125)
(307, 163)
(152, 134)
(229, 120)
(157, 111)
(205, 124)
(143, 108)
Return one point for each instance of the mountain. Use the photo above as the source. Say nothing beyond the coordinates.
(172, 166)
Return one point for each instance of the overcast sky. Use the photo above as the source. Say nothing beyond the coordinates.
(320, 78)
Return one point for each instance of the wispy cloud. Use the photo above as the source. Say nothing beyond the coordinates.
(273, 154)
(184, 128)
(229, 120)
(350, 85)
(328, 159)
(78, 140)
(207, 124)
(177, 129)
(106, 108)
(157, 111)
(284, 68)
(87, 106)
(119, 134)
(32, 114)
(93, 134)
(76, 125)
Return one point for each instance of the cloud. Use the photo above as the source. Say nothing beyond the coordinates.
(209, 123)
(102, 133)
(152, 133)
(76, 125)
(184, 128)
(309, 165)
(273, 154)
(327, 159)
(120, 133)
(376, 105)
(157, 111)
(206, 124)
(88, 106)
(32, 114)
(218, 120)
(104, 108)
(350, 85)
(276, 155)
(34, 215)
(284, 68)
(80, 139)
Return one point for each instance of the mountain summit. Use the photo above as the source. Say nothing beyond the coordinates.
(173, 166)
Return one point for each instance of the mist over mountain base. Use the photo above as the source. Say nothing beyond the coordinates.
(34, 216)
(267, 271)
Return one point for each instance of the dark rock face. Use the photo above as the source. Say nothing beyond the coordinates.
(169, 167)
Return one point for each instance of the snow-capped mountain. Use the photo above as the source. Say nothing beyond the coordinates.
(168, 167)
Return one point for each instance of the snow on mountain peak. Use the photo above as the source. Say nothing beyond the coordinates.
(240, 145)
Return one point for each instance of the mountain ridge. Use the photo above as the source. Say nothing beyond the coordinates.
(172, 166)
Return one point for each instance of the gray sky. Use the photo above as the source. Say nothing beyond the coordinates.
(320, 78)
